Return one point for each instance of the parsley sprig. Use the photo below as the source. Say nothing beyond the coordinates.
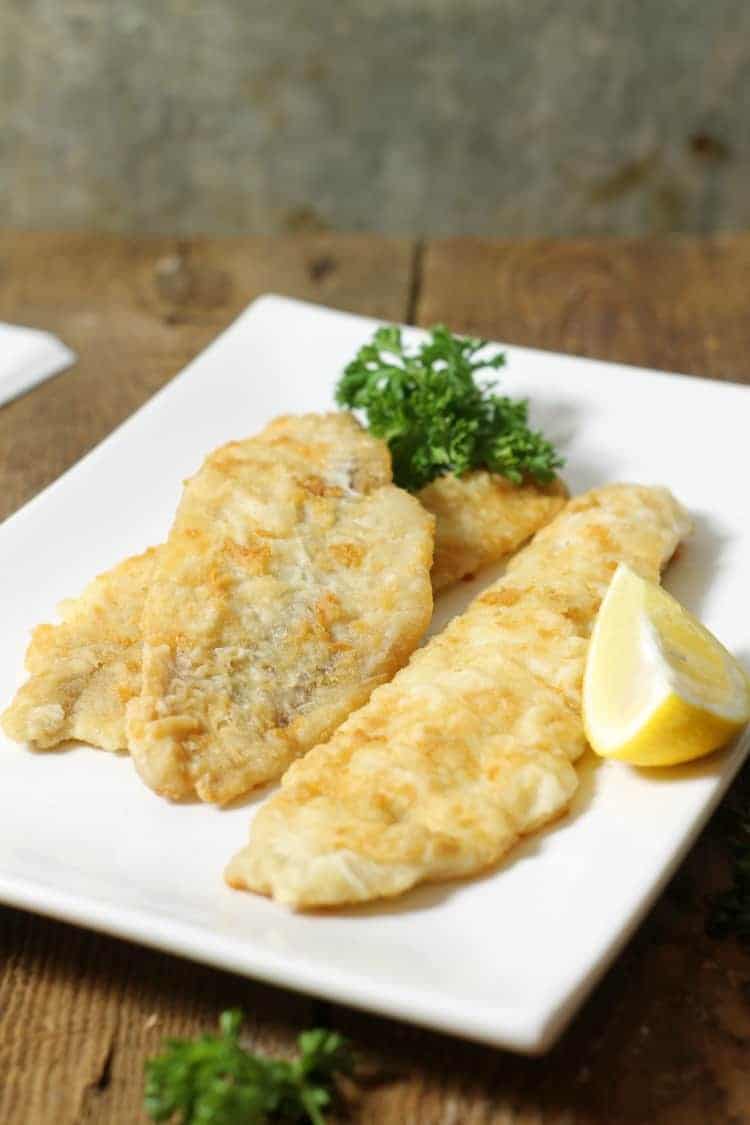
(427, 404)
(213, 1080)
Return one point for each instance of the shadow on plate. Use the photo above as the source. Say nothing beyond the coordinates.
(248, 800)
(710, 766)
(695, 567)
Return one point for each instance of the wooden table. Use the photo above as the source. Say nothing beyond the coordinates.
(665, 1038)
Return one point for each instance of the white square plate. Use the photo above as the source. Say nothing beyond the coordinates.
(506, 958)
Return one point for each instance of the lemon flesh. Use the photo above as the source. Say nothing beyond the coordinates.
(658, 689)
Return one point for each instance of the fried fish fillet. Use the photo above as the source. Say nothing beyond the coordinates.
(471, 745)
(294, 581)
(481, 518)
(83, 671)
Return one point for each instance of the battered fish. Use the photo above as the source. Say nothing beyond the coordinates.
(471, 745)
(83, 671)
(481, 518)
(294, 581)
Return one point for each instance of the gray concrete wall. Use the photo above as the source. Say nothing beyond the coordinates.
(497, 117)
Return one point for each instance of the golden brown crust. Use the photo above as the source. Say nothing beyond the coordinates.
(86, 669)
(83, 671)
(295, 580)
(471, 744)
(481, 518)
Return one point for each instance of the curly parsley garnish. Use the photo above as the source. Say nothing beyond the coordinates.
(213, 1080)
(426, 403)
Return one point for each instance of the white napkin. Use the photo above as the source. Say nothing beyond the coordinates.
(27, 357)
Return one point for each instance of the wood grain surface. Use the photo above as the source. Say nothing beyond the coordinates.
(678, 304)
(137, 309)
(665, 1039)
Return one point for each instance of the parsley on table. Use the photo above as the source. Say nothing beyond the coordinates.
(213, 1080)
(427, 404)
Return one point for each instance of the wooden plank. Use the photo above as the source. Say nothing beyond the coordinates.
(678, 304)
(80, 1013)
(666, 1037)
(137, 309)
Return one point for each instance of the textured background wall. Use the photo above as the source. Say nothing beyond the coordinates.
(406, 116)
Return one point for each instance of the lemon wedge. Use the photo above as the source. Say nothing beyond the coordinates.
(658, 687)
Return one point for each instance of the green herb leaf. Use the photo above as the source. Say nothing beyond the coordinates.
(213, 1080)
(427, 404)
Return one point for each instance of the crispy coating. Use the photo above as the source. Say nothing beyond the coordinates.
(471, 745)
(294, 581)
(481, 518)
(83, 671)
